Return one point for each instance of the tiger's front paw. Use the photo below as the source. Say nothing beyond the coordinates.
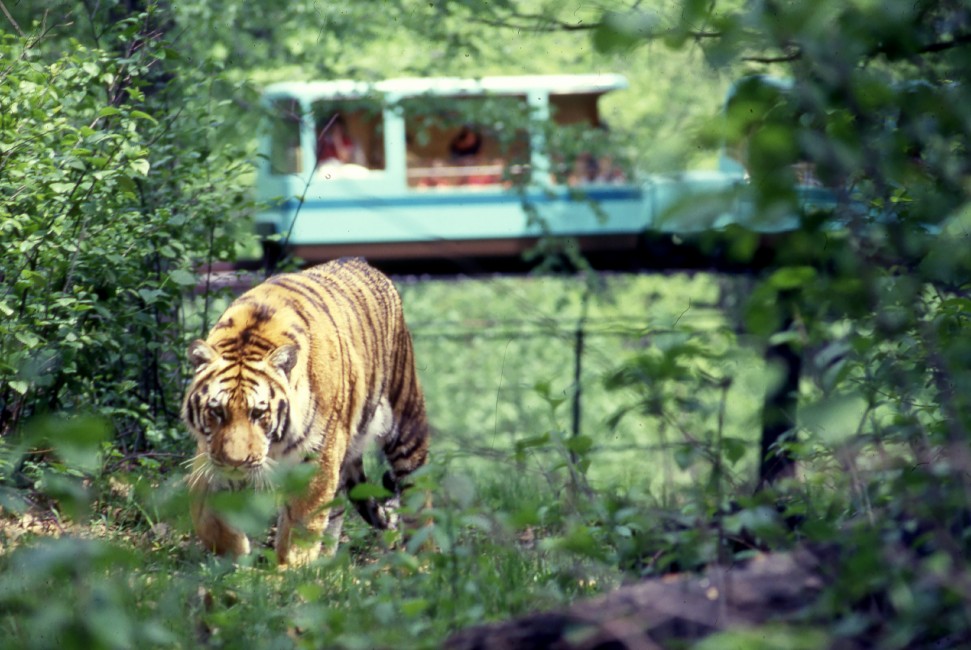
(218, 536)
(298, 555)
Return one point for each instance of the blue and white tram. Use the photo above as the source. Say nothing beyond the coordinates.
(443, 167)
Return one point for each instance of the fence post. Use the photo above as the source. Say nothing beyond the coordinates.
(577, 389)
(779, 408)
(578, 343)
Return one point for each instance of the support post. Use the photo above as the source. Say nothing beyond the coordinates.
(779, 411)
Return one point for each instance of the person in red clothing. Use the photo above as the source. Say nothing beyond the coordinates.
(335, 144)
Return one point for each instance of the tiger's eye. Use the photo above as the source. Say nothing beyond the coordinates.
(258, 411)
(215, 410)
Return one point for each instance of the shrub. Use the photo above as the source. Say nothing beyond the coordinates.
(113, 184)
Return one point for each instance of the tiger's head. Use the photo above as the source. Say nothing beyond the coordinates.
(237, 409)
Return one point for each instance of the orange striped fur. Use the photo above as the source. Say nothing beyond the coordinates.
(305, 367)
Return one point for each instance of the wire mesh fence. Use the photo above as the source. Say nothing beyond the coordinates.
(639, 378)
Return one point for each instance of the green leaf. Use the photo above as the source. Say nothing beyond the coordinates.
(686, 455)
(12, 501)
(183, 278)
(310, 591)
(150, 296)
(767, 637)
(579, 445)
(413, 607)
(836, 418)
(142, 115)
(763, 315)
(247, 510)
(364, 491)
(734, 449)
(78, 441)
(70, 493)
(29, 339)
(620, 31)
(140, 166)
(532, 441)
(580, 540)
(459, 489)
(792, 277)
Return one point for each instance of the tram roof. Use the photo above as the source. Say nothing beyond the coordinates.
(564, 84)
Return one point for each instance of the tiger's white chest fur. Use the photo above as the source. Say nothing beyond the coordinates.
(381, 426)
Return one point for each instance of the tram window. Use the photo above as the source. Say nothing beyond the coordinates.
(469, 142)
(350, 138)
(285, 153)
(575, 109)
(580, 146)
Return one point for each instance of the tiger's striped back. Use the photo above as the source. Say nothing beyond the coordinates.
(310, 364)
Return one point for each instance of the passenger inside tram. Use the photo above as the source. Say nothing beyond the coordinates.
(581, 148)
(466, 145)
(338, 152)
(444, 156)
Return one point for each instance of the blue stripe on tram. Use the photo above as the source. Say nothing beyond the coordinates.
(453, 198)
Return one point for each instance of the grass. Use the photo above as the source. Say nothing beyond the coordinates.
(122, 581)
(529, 514)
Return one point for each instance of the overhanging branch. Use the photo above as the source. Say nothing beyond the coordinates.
(959, 40)
(11, 20)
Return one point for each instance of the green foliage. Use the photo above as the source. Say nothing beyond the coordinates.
(119, 172)
(767, 638)
(869, 111)
(110, 197)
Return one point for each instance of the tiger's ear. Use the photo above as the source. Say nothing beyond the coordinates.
(200, 353)
(284, 358)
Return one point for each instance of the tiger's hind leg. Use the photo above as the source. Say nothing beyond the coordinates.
(400, 423)
(372, 510)
(406, 453)
(332, 534)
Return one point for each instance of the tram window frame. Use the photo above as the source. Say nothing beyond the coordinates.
(286, 153)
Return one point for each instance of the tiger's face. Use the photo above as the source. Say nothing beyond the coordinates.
(237, 410)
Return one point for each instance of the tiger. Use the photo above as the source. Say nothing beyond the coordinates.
(305, 367)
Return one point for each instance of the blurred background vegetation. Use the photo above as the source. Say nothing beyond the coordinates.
(126, 138)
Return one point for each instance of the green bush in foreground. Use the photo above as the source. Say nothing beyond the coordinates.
(111, 188)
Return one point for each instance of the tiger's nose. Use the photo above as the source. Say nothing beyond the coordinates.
(237, 463)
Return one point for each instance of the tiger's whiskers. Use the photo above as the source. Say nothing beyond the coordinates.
(262, 478)
(203, 471)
